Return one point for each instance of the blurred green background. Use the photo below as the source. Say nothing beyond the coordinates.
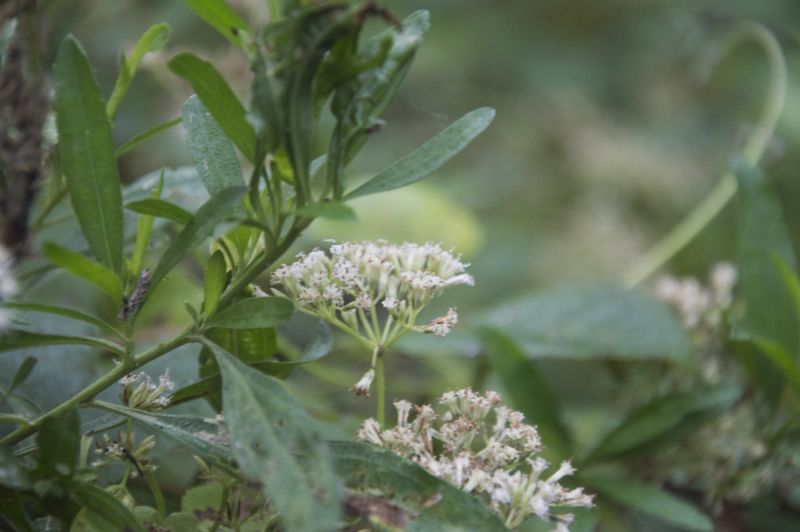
(610, 127)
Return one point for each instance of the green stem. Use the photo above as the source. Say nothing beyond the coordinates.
(721, 194)
(380, 385)
(158, 497)
(99, 385)
(11, 418)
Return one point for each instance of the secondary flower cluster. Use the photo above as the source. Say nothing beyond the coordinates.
(139, 391)
(695, 304)
(484, 447)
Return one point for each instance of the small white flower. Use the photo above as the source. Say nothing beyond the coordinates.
(363, 385)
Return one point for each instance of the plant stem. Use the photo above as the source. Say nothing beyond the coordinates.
(158, 497)
(380, 384)
(721, 194)
(99, 385)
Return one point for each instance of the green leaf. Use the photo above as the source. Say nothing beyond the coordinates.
(86, 269)
(206, 497)
(430, 156)
(214, 282)
(18, 339)
(770, 312)
(202, 225)
(146, 135)
(254, 313)
(334, 211)
(105, 506)
(196, 433)
(316, 32)
(59, 443)
(528, 390)
(87, 154)
(212, 151)
(220, 16)
(785, 362)
(152, 40)
(358, 103)
(367, 467)
(12, 509)
(218, 98)
(656, 502)
(65, 312)
(592, 322)
(160, 209)
(22, 374)
(248, 345)
(276, 442)
(664, 420)
(790, 279)
(320, 345)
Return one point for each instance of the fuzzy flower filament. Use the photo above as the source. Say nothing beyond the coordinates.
(482, 447)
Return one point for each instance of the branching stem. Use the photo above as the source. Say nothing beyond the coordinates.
(683, 233)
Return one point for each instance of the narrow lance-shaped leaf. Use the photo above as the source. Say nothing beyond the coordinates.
(770, 312)
(319, 31)
(276, 442)
(656, 502)
(153, 39)
(664, 420)
(221, 17)
(429, 157)
(19, 339)
(218, 98)
(212, 151)
(160, 209)
(86, 269)
(87, 154)
(207, 217)
(22, 374)
(214, 282)
(146, 135)
(65, 312)
(358, 104)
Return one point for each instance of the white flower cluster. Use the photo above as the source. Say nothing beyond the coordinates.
(482, 447)
(357, 277)
(697, 305)
(8, 285)
(139, 391)
(374, 291)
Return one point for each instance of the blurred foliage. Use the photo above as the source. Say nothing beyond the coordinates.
(611, 125)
